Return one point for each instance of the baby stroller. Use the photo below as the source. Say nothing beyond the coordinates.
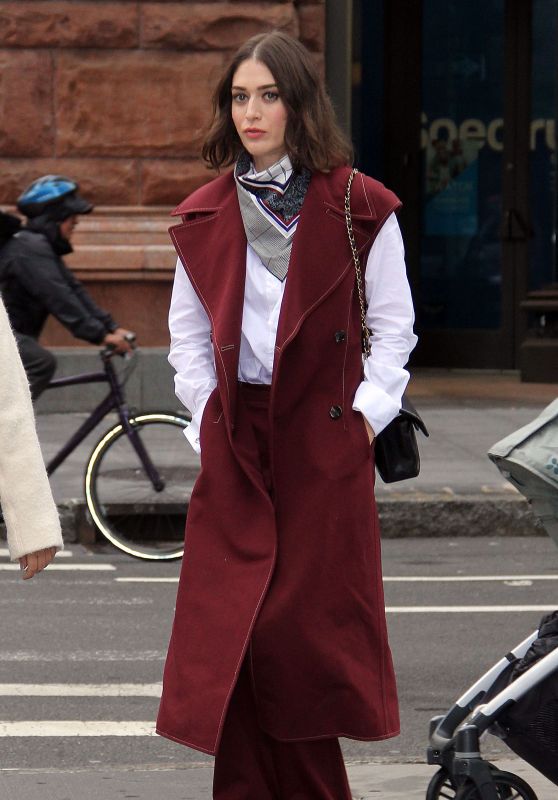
(517, 700)
(528, 459)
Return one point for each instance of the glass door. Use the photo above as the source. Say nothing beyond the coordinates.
(462, 144)
(457, 94)
(464, 279)
(542, 145)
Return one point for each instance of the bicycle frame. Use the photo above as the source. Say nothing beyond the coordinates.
(114, 400)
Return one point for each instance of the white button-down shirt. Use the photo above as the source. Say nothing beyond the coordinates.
(390, 318)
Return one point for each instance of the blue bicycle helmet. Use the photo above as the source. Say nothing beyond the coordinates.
(53, 192)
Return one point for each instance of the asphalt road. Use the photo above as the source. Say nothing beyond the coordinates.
(84, 644)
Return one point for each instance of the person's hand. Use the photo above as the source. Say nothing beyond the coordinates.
(369, 430)
(125, 333)
(35, 562)
(118, 341)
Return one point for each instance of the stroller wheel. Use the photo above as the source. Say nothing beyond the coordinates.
(508, 786)
(441, 786)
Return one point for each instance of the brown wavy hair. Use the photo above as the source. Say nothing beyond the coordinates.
(313, 138)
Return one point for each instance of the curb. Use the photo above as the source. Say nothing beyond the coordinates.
(437, 515)
(417, 515)
(404, 515)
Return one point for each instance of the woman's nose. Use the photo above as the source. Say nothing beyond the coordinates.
(252, 109)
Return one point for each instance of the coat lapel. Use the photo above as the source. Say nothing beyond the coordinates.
(212, 247)
(320, 258)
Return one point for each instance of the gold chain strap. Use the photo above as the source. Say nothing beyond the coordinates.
(361, 296)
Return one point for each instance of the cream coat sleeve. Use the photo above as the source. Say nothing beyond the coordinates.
(27, 504)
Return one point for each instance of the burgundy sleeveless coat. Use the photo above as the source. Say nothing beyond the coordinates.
(295, 584)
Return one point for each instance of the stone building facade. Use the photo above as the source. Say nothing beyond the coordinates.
(116, 95)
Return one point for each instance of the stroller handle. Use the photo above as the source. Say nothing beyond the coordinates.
(471, 696)
(543, 668)
(443, 728)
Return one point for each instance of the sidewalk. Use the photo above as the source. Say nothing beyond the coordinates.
(458, 492)
(368, 782)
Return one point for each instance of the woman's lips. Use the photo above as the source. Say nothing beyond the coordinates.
(254, 133)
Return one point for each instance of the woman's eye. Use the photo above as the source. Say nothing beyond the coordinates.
(239, 97)
(271, 96)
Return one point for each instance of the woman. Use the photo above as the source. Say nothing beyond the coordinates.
(279, 644)
(27, 505)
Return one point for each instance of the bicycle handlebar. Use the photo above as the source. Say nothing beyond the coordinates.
(109, 350)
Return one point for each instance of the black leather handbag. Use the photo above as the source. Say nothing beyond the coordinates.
(396, 448)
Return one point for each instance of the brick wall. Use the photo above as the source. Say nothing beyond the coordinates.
(117, 93)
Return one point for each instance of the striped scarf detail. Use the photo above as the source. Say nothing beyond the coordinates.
(270, 204)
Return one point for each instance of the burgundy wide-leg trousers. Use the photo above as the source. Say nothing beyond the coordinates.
(250, 764)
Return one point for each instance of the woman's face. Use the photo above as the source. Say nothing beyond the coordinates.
(258, 113)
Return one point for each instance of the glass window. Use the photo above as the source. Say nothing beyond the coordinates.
(461, 143)
(368, 86)
(544, 105)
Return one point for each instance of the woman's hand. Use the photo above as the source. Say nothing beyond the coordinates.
(369, 430)
(35, 562)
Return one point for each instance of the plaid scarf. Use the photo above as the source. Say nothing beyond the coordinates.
(270, 204)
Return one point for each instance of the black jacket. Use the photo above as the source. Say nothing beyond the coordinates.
(35, 282)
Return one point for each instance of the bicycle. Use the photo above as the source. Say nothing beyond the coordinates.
(139, 474)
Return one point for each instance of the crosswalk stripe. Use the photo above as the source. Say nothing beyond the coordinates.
(76, 728)
(65, 567)
(146, 580)
(465, 578)
(5, 553)
(83, 656)
(465, 609)
(80, 689)
(397, 579)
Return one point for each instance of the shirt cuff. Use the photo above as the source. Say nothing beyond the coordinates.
(377, 406)
(192, 431)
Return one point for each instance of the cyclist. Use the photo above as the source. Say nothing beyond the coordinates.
(35, 281)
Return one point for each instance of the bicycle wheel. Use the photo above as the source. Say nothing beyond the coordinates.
(508, 787)
(138, 517)
(441, 786)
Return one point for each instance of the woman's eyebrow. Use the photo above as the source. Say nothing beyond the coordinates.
(259, 88)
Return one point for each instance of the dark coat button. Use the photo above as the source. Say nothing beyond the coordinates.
(340, 336)
(335, 412)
